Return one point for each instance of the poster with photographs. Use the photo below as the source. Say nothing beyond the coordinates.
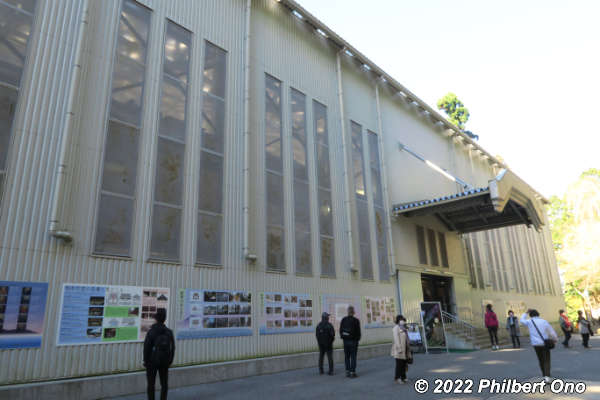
(286, 313)
(213, 313)
(433, 324)
(106, 314)
(22, 309)
(337, 308)
(379, 312)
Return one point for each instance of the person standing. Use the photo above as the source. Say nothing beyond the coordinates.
(401, 349)
(584, 328)
(159, 351)
(350, 334)
(325, 337)
(542, 337)
(512, 326)
(566, 326)
(491, 323)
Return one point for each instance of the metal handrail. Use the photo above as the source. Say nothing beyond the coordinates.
(468, 329)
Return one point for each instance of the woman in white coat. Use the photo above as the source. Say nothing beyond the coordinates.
(401, 349)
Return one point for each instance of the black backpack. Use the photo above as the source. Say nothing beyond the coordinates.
(323, 335)
(161, 350)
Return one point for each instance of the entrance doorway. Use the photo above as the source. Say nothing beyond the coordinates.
(438, 288)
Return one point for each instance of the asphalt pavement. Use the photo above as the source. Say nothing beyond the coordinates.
(571, 367)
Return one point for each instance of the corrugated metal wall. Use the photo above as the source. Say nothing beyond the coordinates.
(282, 46)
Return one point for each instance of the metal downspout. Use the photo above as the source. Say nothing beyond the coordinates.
(54, 225)
(246, 172)
(347, 203)
(386, 204)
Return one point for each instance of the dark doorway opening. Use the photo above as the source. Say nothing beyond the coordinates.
(438, 288)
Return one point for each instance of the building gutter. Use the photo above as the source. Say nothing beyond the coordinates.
(338, 70)
(246, 172)
(54, 227)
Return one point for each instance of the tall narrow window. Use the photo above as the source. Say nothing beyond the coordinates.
(274, 175)
(443, 249)
(119, 173)
(16, 20)
(324, 193)
(210, 192)
(433, 253)
(170, 148)
(362, 207)
(421, 245)
(478, 266)
(470, 261)
(301, 186)
(381, 221)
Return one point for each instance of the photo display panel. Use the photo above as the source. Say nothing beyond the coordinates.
(337, 308)
(93, 314)
(213, 313)
(286, 313)
(380, 312)
(22, 309)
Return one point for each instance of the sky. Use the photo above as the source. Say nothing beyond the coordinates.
(528, 71)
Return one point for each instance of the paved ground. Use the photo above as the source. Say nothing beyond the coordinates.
(375, 377)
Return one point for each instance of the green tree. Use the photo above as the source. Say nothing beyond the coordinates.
(457, 113)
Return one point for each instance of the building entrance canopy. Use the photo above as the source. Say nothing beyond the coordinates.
(507, 201)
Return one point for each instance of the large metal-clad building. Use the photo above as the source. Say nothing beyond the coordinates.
(240, 145)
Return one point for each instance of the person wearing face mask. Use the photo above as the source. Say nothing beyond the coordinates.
(401, 349)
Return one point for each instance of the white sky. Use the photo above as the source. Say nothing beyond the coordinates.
(527, 71)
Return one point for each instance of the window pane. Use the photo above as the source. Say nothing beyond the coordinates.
(209, 239)
(433, 254)
(173, 109)
(478, 262)
(421, 245)
(380, 226)
(213, 124)
(127, 88)
(327, 257)
(113, 233)
(27, 5)
(273, 124)
(8, 105)
(384, 268)
(133, 32)
(120, 159)
(301, 206)
(363, 221)
(443, 250)
(211, 183)
(299, 134)
(366, 266)
(274, 199)
(275, 248)
(323, 166)
(15, 28)
(177, 52)
(303, 253)
(325, 213)
(169, 172)
(320, 117)
(214, 71)
(375, 170)
(166, 230)
(357, 160)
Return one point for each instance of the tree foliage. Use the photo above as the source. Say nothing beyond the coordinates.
(575, 224)
(457, 113)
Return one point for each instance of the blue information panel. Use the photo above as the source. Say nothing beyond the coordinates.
(22, 309)
(213, 313)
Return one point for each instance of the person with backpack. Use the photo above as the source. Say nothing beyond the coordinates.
(585, 329)
(512, 326)
(350, 334)
(159, 351)
(543, 337)
(566, 326)
(491, 323)
(401, 349)
(325, 337)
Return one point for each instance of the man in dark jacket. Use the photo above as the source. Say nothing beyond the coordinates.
(350, 334)
(159, 350)
(325, 337)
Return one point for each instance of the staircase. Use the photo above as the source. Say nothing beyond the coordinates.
(462, 335)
